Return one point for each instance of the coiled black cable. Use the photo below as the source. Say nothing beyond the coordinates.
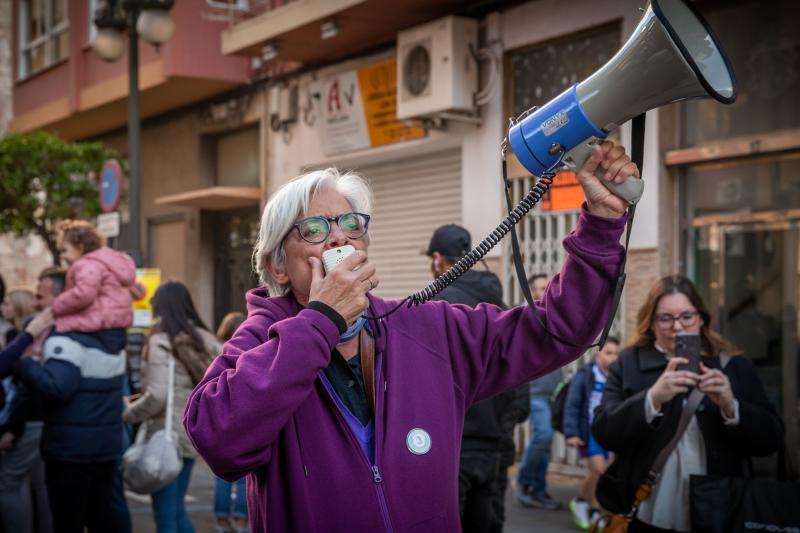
(528, 202)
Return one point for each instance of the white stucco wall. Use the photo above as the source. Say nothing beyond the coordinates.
(481, 195)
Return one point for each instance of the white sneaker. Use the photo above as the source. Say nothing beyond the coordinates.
(580, 512)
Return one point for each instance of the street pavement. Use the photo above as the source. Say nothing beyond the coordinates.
(200, 505)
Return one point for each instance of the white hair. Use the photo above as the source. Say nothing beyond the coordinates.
(288, 203)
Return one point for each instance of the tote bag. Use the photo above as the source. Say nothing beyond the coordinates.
(152, 464)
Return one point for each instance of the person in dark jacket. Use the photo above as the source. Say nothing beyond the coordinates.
(487, 443)
(643, 400)
(79, 382)
(583, 397)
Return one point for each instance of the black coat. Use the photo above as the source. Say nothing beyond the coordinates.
(620, 425)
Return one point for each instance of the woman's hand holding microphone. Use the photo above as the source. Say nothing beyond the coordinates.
(345, 287)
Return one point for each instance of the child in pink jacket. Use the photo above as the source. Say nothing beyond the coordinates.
(96, 296)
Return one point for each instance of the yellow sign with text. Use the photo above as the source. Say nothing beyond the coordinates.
(143, 289)
(378, 84)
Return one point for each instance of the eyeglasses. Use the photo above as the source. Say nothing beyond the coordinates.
(317, 229)
(667, 321)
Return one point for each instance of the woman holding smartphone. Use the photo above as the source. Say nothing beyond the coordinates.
(645, 394)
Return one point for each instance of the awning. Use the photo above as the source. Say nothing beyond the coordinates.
(214, 198)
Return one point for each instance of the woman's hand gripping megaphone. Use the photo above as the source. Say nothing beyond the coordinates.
(607, 165)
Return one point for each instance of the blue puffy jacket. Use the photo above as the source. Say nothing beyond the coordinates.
(576, 409)
(81, 387)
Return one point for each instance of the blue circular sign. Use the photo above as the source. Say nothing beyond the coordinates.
(110, 185)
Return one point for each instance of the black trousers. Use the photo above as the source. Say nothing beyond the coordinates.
(479, 489)
(80, 495)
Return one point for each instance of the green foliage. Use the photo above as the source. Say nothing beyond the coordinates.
(44, 180)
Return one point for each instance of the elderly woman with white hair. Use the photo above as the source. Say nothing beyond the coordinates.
(342, 423)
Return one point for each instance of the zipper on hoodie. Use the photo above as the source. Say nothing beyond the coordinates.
(379, 397)
(376, 475)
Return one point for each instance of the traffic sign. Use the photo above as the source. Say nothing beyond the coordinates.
(108, 224)
(110, 185)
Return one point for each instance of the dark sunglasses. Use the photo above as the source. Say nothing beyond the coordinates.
(317, 229)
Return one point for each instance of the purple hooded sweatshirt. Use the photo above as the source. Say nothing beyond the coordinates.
(262, 411)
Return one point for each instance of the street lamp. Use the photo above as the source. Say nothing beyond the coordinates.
(151, 20)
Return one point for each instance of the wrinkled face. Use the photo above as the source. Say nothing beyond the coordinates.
(296, 271)
(607, 355)
(44, 294)
(69, 252)
(674, 314)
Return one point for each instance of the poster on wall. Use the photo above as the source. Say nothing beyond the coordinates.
(358, 109)
(147, 281)
(565, 193)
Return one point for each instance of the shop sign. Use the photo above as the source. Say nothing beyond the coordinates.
(108, 224)
(358, 109)
(565, 193)
(147, 281)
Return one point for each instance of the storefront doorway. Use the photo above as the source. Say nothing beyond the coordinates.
(746, 265)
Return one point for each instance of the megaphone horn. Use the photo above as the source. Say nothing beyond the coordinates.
(671, 56)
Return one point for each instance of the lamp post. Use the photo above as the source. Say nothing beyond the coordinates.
(151, 20)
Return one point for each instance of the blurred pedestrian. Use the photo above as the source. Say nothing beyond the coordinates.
(5, 325)
(531, 486)
(81, 380)
(16, 308)
(20, 431)
(178, 332)
(97, 296)
(230, 499)
(487, 441)
(583, 397)
(645, 395)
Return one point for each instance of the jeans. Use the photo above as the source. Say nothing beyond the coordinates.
(222, 499)
(168, 508)
(16, 508)
(533, 468)
(80, 495)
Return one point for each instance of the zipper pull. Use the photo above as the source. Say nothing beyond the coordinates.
(376, 475)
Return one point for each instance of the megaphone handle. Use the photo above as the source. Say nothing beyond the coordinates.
(630, 190)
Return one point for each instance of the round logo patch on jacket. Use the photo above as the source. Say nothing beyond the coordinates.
(418, 441)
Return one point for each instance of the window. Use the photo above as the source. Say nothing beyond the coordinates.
(43, 34)
(763, 46)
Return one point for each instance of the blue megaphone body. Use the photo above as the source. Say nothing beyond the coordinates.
(671, 56)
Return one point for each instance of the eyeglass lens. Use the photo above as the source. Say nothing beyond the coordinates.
(316, 229)
(686, 319)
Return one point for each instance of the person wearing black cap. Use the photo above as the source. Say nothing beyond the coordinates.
(487, 444)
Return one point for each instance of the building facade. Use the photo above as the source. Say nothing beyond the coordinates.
(248, 95)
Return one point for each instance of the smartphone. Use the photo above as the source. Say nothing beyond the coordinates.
(688, 345)
(331, 258)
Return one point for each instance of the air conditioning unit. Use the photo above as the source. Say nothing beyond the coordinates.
(436, 72)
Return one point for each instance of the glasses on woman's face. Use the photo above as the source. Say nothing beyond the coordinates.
(317, 229)
(687, 319)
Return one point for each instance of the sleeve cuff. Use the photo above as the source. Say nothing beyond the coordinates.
(331, 313)
(650, 412)
(733, 421)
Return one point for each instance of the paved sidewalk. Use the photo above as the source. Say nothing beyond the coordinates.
(200, 504)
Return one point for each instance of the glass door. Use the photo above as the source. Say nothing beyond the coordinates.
(747, 270)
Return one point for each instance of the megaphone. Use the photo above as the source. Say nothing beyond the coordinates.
(671, 56)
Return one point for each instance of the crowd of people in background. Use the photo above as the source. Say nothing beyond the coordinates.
(67, 413)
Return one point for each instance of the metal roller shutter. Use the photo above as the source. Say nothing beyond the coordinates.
(413, 197)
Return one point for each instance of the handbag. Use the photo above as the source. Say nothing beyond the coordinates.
(152, 464)
(619, 522)
(721, 504)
